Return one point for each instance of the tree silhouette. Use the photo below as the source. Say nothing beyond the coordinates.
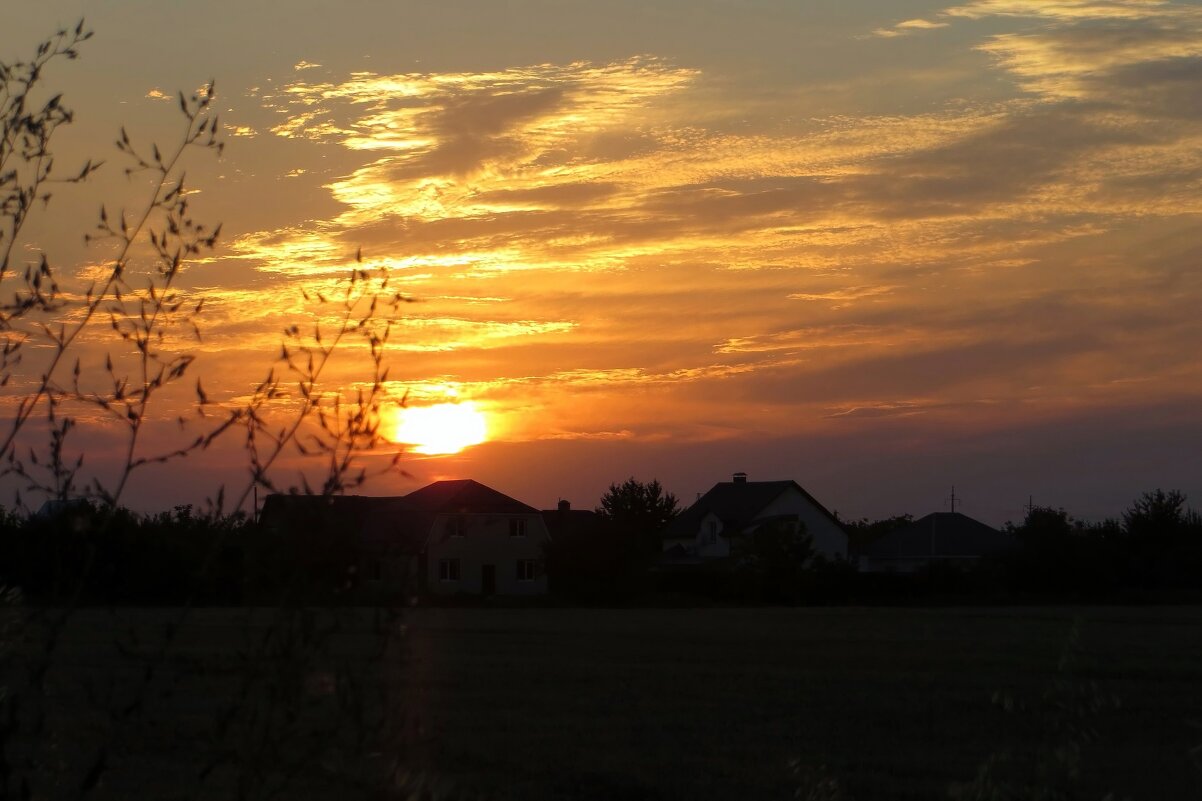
(771, 561)
(1156, 514)
(1162, 539)
(638, 506)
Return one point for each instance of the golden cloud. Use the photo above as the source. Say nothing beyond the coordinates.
(641, 222)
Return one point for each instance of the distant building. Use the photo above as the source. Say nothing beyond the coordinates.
(940, 538)
(586, 555)
(450, 537)
(734, 509)
(472, 539)
(73, 514)
(567, 525)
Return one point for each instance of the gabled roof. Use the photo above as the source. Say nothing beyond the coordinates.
(463, 496)
(570, 524)
(406, 522)
(403, 521)
(737, 504)
(939, 534)
(53, 507)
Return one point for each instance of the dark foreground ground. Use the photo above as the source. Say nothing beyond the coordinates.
(610, 704)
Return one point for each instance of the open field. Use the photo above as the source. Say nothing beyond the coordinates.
(713, 703)
(680, 703)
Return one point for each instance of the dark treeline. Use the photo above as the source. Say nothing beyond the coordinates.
(1155, 548)
(619, 564)
(78, 553)
(1153, 553)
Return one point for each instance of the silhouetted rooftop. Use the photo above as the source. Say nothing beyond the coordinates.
(403, 521)
(570, 523)
(737, 504)
(950, 534)
(463, 495)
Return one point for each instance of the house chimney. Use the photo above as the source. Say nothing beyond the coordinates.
(740, 478)
(565, 506)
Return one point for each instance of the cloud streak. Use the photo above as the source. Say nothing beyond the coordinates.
(642, 228)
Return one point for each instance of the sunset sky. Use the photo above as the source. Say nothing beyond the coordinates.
(880, 248)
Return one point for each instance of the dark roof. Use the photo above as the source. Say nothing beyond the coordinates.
(53, 507)
(403, 521)
(737, 504)
(463, 496)
(572, 524)
(939, 534)
(406, 522)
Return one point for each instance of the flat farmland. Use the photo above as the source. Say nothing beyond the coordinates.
(630, 703)
(722, 703)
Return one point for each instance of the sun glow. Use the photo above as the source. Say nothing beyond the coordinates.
(440, 429)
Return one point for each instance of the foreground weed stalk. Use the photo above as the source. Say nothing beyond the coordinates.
(1063, 723)
(150, 316)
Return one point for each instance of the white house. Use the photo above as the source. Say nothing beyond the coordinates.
(736, 508)
(446, 538)
(459, 537)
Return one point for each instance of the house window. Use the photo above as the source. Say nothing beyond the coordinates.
(448, 570)
(375, 570)
(517, 527)
(526, 569)
(711, 533)
(457, 526)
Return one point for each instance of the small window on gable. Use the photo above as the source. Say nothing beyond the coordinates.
(526, 568)
(457, 526)
(448, 570)
(711, 533)
(517, 527)
(375, 570)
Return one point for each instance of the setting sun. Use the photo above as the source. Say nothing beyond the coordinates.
(440, 429)
(916, 242)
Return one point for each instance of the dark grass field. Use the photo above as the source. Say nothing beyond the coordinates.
(716, 703)
(644, 703)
